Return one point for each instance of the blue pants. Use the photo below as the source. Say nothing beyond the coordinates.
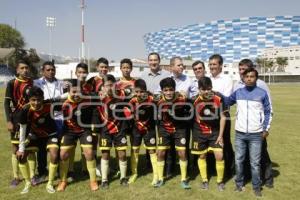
(252, 141)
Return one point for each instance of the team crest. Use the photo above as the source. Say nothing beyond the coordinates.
(183, 141)
(77, 113)
(41, 120)
(89, 138)
(123, 141)
(152, 141)
(55, 140)
(142, 112)
(27, 91)
(207, 111)
(112, 106)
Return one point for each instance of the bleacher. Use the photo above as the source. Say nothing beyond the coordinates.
(5, 74)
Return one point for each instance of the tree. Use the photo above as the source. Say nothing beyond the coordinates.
(10, 37)
(282, 62)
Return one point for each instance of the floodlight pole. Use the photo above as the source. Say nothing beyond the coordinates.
(50, 23)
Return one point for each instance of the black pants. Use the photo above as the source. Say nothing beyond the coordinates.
(266, 165)
(228, 152)
(42, 158)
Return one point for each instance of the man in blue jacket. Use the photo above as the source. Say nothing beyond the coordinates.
(253, 121)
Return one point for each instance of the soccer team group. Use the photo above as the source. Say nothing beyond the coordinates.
(163, 110)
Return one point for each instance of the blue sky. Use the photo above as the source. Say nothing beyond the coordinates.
(115, 28)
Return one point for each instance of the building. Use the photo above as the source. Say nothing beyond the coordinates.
(234, 39)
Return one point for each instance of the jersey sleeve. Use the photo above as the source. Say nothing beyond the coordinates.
(7, 100)
(22, 116)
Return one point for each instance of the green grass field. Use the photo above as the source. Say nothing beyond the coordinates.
(283, 148)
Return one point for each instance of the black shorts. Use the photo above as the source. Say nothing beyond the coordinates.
(106, 141)
(31, 145)
(149, 139)
(69, 140)
(46, 142)
(165, 139)
(202, 144)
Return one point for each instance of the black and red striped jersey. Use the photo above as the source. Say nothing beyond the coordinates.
(17, 90)
(172, 113)
(96, 82)
(86, 88)
(207, 114)
(143, 112)
(39, 122)
(109, 111)
(123, 84)
(77, 115)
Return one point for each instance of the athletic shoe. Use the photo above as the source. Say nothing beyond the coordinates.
(185, 185)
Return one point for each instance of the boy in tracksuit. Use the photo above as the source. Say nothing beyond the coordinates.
(253, 121)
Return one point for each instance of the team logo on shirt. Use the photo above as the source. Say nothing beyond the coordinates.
(41, 120)
(142, 112)
(171, 113)
(27, 91)
(206, 111)
(183, 141)
(152, 141)
(55, 140)
(123, 140)
(112, 106)
(77, 113)
(89, 138)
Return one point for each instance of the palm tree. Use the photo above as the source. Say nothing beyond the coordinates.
(282, 62)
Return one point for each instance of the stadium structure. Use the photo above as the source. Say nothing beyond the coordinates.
(234, 39)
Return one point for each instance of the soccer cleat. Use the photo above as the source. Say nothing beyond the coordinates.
(159, 184)
(26, 188)
(61, 186)
(50, 189)
(257, 192)
(154, 181)
(221, 187)
(204, 185)
(124, 182)
(104, 184)
(15, 182)
(34, 180)
(240, 189)
(185, 185)
(94, 185)
(71, 177)
(133, 178)
(269, 185)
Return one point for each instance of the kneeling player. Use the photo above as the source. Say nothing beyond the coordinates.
(36, 117)
(143, 109)
(171, 129)
(77, 120)
(208, 128)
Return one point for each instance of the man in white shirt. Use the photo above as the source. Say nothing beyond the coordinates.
(53, 89)
(156, 74)
(224, 85)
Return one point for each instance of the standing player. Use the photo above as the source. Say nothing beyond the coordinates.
(15, 98)
(143, 110)
(102, 68)
(172, 128)
(78, 118)
(108, 115)
(126, 82)
(208, 128)
(37, 118)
